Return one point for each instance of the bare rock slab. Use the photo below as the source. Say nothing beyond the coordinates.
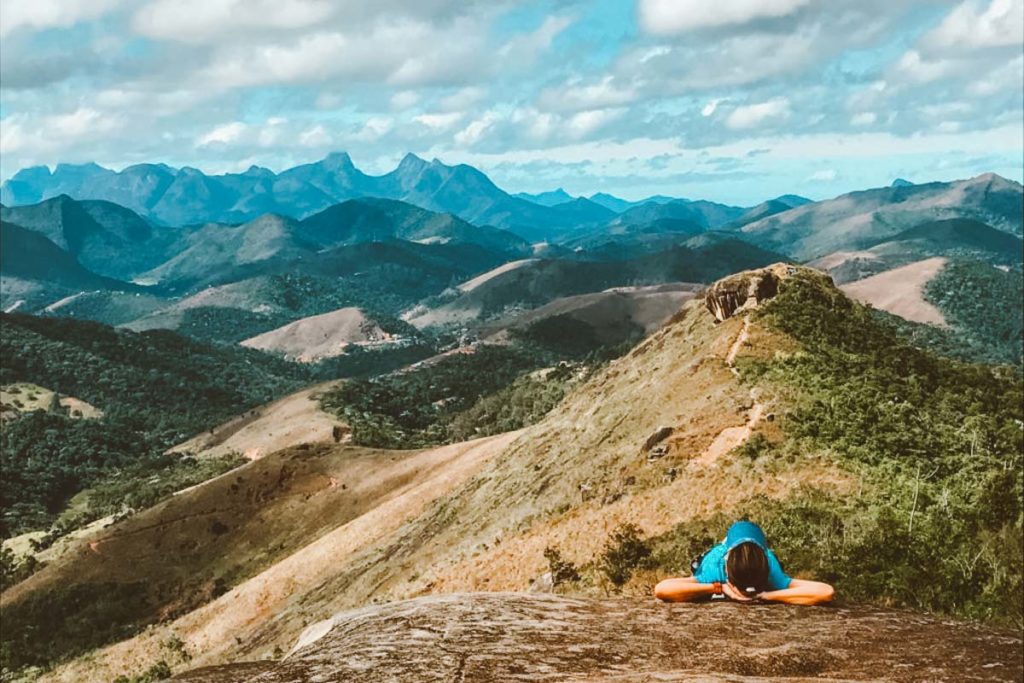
(492, 637)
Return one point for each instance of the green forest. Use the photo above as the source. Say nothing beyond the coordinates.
(156, 389)
(985, 306)
(465, 394)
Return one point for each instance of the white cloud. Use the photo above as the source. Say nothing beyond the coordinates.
(472, 133)
(463, 98)
(202, 21)
(586, 122)
(973, 41)
(976, 24)
(404, 99)
(439, 122)
(31, 135)
(1005, 78)
(826, 175)
(526, 46)
(864, 118)
(753, 115)
(677, 16)
(710, 107)
(224, 134)
(42, 14)
(913, 67)
(315, 137)
(574, 96)
(375, 128)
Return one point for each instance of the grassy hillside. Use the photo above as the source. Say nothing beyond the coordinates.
(937, 442)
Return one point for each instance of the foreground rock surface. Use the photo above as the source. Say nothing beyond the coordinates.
(495, 637)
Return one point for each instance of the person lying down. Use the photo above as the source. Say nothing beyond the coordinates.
(743, 568)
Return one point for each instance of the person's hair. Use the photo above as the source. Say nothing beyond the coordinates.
(747, 568)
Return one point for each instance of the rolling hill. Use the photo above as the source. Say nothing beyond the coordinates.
(104, 237)
(154, 390)
(321, 336)
(222, 253)
(951, 238)
(531, 283)
(901, 291)
(860, 220)
(589, 321)
(377, 220)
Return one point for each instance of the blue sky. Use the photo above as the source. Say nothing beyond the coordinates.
(731, 100)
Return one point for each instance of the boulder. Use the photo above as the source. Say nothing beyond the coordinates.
(507, 637)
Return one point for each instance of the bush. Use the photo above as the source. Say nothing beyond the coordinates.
(625, 552)
(562, 571)
(160, 671)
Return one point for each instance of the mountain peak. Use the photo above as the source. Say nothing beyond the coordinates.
(901, 182)
(337, 161)
(32, 173)
(411, 161)
(258, 172)
(87, 166)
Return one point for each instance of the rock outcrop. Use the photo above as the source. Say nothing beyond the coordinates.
(491, 637)
(745, 290)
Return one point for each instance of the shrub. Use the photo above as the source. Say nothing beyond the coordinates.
(625, 552)
(562, 571)
(160, 671)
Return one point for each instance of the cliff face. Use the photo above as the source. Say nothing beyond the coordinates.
(515, 637)
(745, 290)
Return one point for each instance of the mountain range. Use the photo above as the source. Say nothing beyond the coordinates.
(180, 197)
(228, 281)
(170, 196)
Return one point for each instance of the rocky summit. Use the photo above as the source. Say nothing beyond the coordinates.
(484, 637)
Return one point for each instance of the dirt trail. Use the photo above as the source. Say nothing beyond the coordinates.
(732, 437)
(741, 339)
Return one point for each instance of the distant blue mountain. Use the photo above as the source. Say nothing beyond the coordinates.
(619, 205)
(185, 196)
(551, 198)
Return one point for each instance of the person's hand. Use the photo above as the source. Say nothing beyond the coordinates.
(734, 593)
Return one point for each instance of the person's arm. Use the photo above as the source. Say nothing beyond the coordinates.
(685, 589)
(801, 592)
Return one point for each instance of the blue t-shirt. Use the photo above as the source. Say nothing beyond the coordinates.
(712, 565)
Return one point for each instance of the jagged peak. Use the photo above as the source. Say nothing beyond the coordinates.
(411, 161)
(338, 160)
